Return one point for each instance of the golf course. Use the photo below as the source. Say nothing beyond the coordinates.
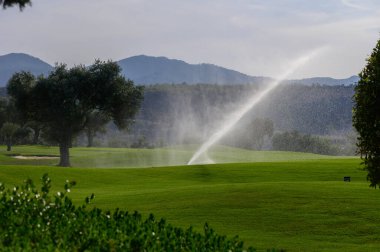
(282, 200)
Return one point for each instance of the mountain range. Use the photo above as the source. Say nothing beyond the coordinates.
(147, 70)
(16, 62)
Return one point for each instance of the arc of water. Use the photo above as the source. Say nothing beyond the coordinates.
(256, 98)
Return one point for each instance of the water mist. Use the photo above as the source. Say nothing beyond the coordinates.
(233, 118)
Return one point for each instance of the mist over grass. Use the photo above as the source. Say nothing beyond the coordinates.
(167, 156)
(174, 114)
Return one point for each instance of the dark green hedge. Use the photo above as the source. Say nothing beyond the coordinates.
(36, 220)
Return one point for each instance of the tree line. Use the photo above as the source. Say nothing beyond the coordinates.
(175, 114)
(182, 114)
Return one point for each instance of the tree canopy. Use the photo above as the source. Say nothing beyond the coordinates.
(7, 131)
(366, 116)
(9, 3)
(64, 100)
(298, 142)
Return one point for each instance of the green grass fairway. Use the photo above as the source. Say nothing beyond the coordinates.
(298, 205)
(123, 157)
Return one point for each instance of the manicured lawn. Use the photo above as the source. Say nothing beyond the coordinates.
(123, 157)
(298, 205)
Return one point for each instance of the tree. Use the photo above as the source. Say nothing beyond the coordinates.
(36, 128)
(294, 141)
(3, 111)
(366, 116)
(261, 127)
(9, 114)
(63, 100)
(22, 84)
(9, 3)
(7, 131)
(95, 122)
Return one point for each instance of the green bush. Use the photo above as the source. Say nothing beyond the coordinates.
(36, 220)
(295, 141)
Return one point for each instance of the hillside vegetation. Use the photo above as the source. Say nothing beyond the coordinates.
(177, 114)
(188, 114)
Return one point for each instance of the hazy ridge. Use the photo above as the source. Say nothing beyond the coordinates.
(16, 62)
(147, 70)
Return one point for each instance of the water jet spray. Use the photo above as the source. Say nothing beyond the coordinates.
(233, 118)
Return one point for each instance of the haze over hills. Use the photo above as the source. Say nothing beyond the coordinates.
(147, 70)
(16, 62)
(151, 70)
(327, 81)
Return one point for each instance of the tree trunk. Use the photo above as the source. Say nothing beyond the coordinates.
(64, 160)
(9, 144)
(90, 138)
(36, 135)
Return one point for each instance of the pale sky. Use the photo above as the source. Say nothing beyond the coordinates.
(259, 38)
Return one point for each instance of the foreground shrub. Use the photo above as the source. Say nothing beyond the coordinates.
(36, 220)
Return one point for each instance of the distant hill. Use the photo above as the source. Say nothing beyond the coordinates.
(157, 70)
(147, 70)
(15, 62)
(153, 70)
(327, 81)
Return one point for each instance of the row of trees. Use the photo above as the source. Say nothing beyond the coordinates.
(70, 101)
(250, 134)
(176, 114)
(294, 141)
(165, 109)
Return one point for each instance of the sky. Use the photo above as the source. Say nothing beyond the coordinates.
(259, 38)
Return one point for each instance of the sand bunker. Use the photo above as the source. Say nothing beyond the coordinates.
(34, 157)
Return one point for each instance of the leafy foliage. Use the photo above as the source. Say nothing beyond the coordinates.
(250, 133)
(9, 3)
(366, 116)
(95, 123)
(177, 114)
(3, 110)
(294, 141)
(7, 131)
(3, 92)
(64, 101)
(261, 128)
(34, 220)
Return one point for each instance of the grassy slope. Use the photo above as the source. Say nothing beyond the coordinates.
(298, 205)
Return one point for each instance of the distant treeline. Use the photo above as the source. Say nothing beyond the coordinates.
(181, 114)
(314, 109)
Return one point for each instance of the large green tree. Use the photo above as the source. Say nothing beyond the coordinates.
(366, 116)
(64, 99)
